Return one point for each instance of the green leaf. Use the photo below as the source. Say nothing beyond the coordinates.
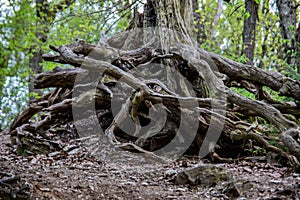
(246, 15)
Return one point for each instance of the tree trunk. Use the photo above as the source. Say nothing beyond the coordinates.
(297, 44)
(35, 61)
(176, 16)
(249, 30)
(288, 23)
(45, 15)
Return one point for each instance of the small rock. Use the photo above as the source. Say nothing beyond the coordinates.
(133, 177)
(92, 187)
(202, 174)
(170, 172)
(74, 151)
(128, 183)
(52, 154)
(180, 190)
(172, 197)
(144, 184)
(34, 161)
(69, 147)
(275, 181)
(102, 175)
(45, 189)
(247, 169)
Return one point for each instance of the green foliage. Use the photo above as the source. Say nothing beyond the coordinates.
(20, 28)
(242, 59)
(276, 96)
(227, 37)
(259, 151)
(246, 15)
(255, 150)
(244, 92)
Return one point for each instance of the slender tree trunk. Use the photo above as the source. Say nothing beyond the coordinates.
(45, 15)
(36, 59)
(249, 30)
(288, 22)
(297, 48)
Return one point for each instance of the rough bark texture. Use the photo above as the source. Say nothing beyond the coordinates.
(58, 104)
(215, 107)
(288, 23)
(249, 30)
(297, 44)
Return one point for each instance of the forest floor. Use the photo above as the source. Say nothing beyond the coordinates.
(122, 175)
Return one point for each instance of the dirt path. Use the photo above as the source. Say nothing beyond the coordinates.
(122, 175)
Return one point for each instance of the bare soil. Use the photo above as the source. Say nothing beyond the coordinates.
(115, 174)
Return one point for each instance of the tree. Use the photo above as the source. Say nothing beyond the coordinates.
(215, 107)
(288, 23)
(249, 34)
(45, 15)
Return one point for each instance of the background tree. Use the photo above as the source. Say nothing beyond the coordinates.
(45, 14)
(288, 23)
(249, 32)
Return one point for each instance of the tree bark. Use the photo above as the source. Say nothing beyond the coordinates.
(249, 30)
(42, 7)
(297, 44)
(288, 23)
(176, 16)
